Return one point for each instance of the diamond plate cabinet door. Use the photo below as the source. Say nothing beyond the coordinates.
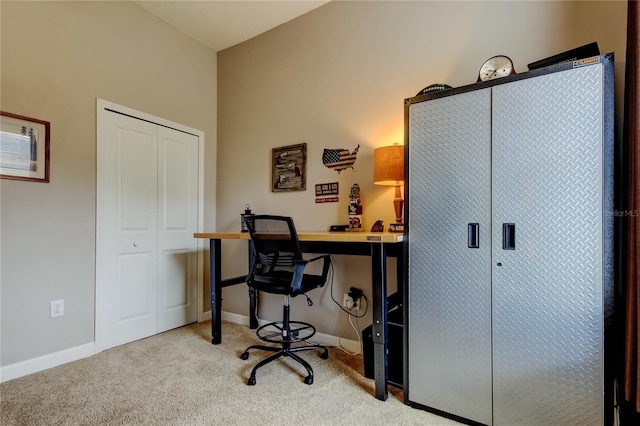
(510, 247)
(450, 284)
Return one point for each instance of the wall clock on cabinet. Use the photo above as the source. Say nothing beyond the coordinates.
(496, 67)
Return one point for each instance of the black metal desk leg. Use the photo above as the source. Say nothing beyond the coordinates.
(379, 283)
(253, 295)
(215, 287)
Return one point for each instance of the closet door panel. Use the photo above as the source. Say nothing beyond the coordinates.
(449, 284)
(129, 230)
(547, 290)
(177, 220)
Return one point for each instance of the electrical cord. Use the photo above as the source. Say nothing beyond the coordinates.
(358, 333)
(349, 319)
(366, 307)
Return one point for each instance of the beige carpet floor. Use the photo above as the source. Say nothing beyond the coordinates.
(180, 378)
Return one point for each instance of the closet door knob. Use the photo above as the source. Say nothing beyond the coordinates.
(135, 244)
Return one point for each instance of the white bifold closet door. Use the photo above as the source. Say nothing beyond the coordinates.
(149, 212)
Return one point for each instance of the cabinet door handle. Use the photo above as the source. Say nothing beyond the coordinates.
(473, 235)
(508, 236)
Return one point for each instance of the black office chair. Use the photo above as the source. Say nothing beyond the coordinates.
(278, 267)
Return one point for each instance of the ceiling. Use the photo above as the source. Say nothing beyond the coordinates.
(223, 23)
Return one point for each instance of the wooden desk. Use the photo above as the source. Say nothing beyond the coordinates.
(378, 246)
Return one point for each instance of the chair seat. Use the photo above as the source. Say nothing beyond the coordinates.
(279, 282)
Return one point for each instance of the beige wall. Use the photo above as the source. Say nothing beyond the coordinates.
(57, 58)
(337, 77)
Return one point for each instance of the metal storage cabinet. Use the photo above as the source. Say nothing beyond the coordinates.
(510, 226)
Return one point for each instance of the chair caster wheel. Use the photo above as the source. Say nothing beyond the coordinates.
(308, 380)
(244, 355)
(324, 355)
(251, 381)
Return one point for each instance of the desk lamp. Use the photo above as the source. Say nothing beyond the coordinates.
(388, 169)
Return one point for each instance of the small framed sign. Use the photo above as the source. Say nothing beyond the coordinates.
(327, 192)
(327, 189)
(24, 148)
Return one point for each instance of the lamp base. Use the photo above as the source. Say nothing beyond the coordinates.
(396, 227)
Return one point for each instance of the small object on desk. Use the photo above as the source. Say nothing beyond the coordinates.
(355, 208)
(396, 227)
(338, 228)
(247, 213)
(378, 226)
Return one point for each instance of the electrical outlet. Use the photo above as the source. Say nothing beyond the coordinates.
(57, 308)
(349, 303)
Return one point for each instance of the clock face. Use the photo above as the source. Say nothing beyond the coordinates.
(496, 67)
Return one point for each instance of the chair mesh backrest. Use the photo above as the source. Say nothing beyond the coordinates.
(275, 242)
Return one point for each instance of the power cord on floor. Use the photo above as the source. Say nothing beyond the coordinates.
(356, 327)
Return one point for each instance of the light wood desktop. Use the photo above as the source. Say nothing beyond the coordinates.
(377, 245)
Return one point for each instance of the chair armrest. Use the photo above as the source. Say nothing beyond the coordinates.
(300, 265)
(326, 257)
(325, 266)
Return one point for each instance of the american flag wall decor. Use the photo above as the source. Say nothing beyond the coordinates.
(339, 159)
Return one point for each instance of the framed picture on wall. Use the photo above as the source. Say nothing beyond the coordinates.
(289, 168)
(24, 148)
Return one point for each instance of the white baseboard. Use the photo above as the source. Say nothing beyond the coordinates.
(204, 316)
(30, 366)
(235, 318)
